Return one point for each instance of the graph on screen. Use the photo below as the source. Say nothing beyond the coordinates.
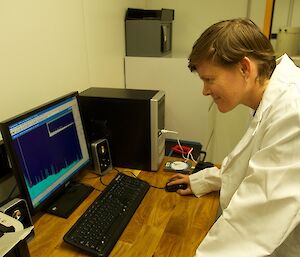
(48, 148)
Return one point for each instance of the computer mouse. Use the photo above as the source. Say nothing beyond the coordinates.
(202, 165)
(175, 187)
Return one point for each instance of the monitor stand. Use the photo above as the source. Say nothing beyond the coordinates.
(69, 200)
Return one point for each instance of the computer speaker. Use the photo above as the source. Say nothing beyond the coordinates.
(101, 156)
(18, 209)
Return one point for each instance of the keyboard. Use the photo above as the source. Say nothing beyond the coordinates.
(100, 227)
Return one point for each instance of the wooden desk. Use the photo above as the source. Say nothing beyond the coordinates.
(164, 225)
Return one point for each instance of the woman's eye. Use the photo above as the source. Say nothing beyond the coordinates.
(209, 81)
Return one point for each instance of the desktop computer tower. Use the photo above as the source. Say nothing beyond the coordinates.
(131, 121)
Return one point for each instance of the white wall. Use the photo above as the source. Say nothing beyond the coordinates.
(43, 52)
(51, 47)
(193, 16)
(190, 117)
(186, 108)
(286, 14)
(105, 33)
(187, 111)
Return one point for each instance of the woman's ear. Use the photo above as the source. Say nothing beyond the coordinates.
(245, 66)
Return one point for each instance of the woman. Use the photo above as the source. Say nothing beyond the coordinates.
(259, 181)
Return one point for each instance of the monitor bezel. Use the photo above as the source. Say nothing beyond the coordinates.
(5, 170)
(17, 170)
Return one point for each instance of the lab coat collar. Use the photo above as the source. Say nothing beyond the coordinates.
(281, 76)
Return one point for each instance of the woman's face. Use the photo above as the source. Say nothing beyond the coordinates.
(226, 86)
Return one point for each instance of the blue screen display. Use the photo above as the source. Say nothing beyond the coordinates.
(50, 147)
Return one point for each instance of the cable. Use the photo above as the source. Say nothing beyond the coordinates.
(189, 154)
(210, 137)
(164, 131)
(139, 178)
(81, 181)
(101, 176)
(182, 151)
(124, 171)
(102, 181)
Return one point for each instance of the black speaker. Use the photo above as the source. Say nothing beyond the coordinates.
(101, 156)
(18, 209)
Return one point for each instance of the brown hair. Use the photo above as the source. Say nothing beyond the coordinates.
(227, 42)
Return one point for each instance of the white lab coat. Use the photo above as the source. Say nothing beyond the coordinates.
(259, 181)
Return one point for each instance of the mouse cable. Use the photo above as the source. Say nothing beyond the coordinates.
(104, 184)
(139, 178)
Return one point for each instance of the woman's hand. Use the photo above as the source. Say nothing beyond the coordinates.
(181, 179)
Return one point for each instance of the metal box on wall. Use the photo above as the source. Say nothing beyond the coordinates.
(288, 41)
(148, 32)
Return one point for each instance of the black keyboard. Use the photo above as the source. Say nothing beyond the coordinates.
(100, 227)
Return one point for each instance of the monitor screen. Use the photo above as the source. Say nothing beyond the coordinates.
(47, 147)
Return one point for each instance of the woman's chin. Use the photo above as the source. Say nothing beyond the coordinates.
(224, 108)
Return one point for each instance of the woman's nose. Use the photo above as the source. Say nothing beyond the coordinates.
(206, 91)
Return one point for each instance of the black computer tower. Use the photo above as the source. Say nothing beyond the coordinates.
(130, 120)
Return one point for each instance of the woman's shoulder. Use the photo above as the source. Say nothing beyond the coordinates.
(282, 102)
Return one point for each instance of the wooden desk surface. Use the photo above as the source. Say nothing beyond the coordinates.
(164, 225)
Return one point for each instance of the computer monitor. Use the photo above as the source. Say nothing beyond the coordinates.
(47, 148)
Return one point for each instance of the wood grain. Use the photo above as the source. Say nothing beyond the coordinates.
(164, 225)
